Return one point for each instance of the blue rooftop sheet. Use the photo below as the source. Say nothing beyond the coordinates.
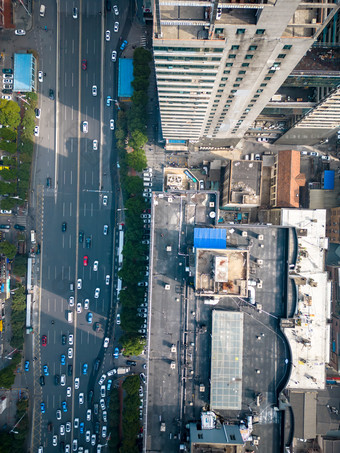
(125, 77)
(24, 72)
(328, 180)
(210, 238)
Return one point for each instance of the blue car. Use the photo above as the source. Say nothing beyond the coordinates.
(123, 45)
(109, 384)
(89, 317)
(42, 408)
(64, 406)
(81, 427)
(46, 372)
(63, 359)
(116, 353)
(27, 365)
(85, 368)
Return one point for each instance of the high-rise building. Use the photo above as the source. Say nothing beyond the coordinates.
(219, 63)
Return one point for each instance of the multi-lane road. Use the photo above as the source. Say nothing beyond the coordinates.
(81, 179)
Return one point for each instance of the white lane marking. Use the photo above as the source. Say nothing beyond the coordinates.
(71, 209)
(64, 176)
(73, 46)
(65, 109)
(63, 208)
(48, 273)
(87, 46)
(70, 241)
(93, 177)
(71, 176)
(85, 177)
(62, 272)
(72, 79)
(91, 209)
(72, 112)
(63, 241)
(55, 273)
(65, 79)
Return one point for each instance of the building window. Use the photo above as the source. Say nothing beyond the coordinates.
(232, 55)
(245, 65)
(260, 31)
(219, 95)
(267, 78)
(252, 47)
(271, 71)
(222, 84)
(276, 64)
(233, 91)
(263, 85)
(236, 85)
(242, 72)
(281, 55)
(230, 96)
(256, 96)
(287, 47)
(240, 31)
(248, 57)
(226, 72)
(235, 47)
(219, 91)
(259, 91)
(238, 79)
(228, 65)
(224, 78)
(250, 105)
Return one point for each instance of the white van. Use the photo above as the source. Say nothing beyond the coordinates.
(70, 316)
(42, 10)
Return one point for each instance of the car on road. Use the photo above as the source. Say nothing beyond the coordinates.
(76, 423)
(40, 76)
(27, 365)
(64, 227)
(107, 280)
(95, 145)
(42, 408)
(42, 380)
(85, 127)
(115, 10)
(95, 266)
(55, 440)
(75, 13)
(71, 301)
(104, 416)
(63, 379)
(94, 90)
(96, 293)
(112, 125)
(46, 371)
(81, 427)
(58, 414)
(131, 363)
(102, 404)
(88, 415)
(87, 436)
(118, 319)
(68, 392)
(105, 230)
(108, 101)
(36, 131)
(145, 242)
(116, 27)
(105, 200)
(142, 283)
(109, 385)
(145, 216)
(114, 56)
(89, 317)
(79, 283)
(107, 35)
(104, 431)
(44, 340)
(64, 406)
(68, 427)
(123, 45)
(88, 242)
(116, 353)
(142, 377)
(140, 393)
(70, 353)
(62, 430)
(76, 383)
(81, 398)
(70, 339)
(81, 236)
(86, 260)
(63, 359)
(106, 342)
(93, 439)
(75, 445)
(102, 391)
(313, 153)
(102, 379)
(84, 64)
(79, 307)
(20, 32)
(7, 97)
(37, 113)
(51, 94)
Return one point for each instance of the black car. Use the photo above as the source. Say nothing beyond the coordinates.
(90, 398)
(3, 226)
(95, 408)
(63, 227)
(57, 379)
(19, 227)
(69, 370)
(81, 236)
(42, 380)
(63, 340)
(96, 428)
(108, 5)
(7, 91)
(88, 242)
(48, 182)
(131, 362)
(96, 365)
(7, 71)
(51, 95)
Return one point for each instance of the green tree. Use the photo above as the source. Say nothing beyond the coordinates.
(8, 134)
(140, 98)
(137, 140)
(7, 188)
(8, 204)
(8, 249)
(20, 265)
(9, 114)
(137, 159)
(28, 123)
(132, 344)
(140, 83)
(9, 175)
(9, 147)
(133, 185)
(131, 385)
(7, 375)
(141, 56)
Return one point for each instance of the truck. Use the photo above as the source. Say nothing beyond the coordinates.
(123, 369)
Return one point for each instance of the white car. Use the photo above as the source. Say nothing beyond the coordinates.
(58, 414)
(107, 35)
(38, 113)
(40, 76)
(75, 445)
(55, 440)
(107, 280)
(86, 304)
(10, 81)
(102, 391)
(102, 379)
(93, 439)
(95, 145)
(88, 415)
(71, 301)
(115, 10)
(116, 27)
(75, 13)
(88, 436)
(76, 423)
(102, 404)
(118, 319)
(8, 97)
(85, 127)
(104, 430)
(20, 32)
(36, 131)
(79, 283)
(105, 416)
(70, 339)
(81, 398)
(114, 56)
(70, 353)
(63, 379)
(112, 125)
(106, 342)
(94, 90)
(95, 266)
(7, 76)
(79, 307)
(68, 427)
(105, 230)
(97, 293)
(105, 200)
(62, 430)
(76, 383)
(68, 392)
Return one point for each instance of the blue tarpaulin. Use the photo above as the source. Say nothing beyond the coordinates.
(328, 180)
(125, 77)
(210, 238)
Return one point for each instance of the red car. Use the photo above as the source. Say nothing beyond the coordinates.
(86, 260)
(44, 340)
(84, 65)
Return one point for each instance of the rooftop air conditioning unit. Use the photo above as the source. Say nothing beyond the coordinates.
(259, 285)
(244, 234)
(259, 261)
(167, 287)
(260, 237)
